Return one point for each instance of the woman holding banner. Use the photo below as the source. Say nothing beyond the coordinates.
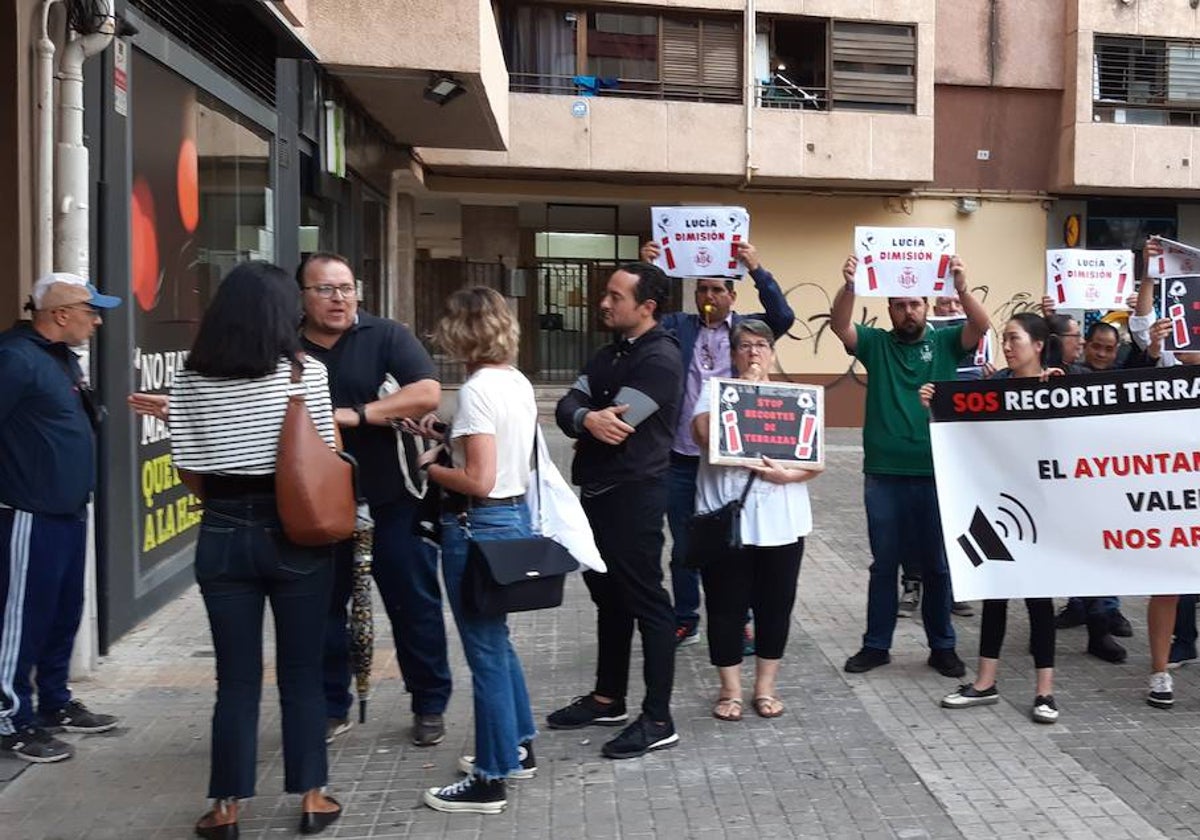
(1028, 345)
(762, 574)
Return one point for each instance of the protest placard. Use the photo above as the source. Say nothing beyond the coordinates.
(972, 361)
(1176, 258)
(700, 241)
(1074, 486)
(1181, 303)
(1079, 279)
(903, 262)
(784, 421)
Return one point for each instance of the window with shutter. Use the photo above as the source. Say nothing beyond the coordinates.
(680, 56)
(721, 54)
(874, 66)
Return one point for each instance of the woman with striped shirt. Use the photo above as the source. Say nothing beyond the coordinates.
(226, 410)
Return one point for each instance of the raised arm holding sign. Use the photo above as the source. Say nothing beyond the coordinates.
(700, 241)
(1079, 279)
(902, 261)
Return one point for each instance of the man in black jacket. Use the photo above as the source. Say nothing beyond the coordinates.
(622, 411)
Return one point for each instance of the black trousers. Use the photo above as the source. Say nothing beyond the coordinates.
(628, 524)
(762, 579)
(1041, 630)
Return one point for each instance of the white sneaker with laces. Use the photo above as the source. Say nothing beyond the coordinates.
(1162, 690)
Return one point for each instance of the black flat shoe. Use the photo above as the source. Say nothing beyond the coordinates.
(225, 831)
(314, 822)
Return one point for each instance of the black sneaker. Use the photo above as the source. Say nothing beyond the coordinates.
(472, 795)
(1119, 625)
(1070, 616)
(640, 737)
(946, 663)
(527, 770)
(36, 745)
(586, 711)
(1182, 653)
(866, 659)
(428, 730)
(962, 609)
(75, 717)
(968, 695)
(1045, 710)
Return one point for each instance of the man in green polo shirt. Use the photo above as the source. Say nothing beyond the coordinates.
(903, 523)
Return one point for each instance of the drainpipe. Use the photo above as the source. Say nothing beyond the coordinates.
(45, 151)
(750, 87)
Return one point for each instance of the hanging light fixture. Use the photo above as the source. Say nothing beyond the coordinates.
(442, 88)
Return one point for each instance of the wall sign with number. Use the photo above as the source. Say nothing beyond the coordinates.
(784, 421)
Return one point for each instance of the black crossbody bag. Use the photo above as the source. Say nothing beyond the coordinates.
(713, 535)
(504, 576)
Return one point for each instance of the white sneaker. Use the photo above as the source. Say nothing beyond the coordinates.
(1162, 691)
(1045, 710)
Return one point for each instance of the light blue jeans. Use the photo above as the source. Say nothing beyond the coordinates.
(503, 718)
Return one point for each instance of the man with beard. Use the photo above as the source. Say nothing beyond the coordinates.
(903, 522)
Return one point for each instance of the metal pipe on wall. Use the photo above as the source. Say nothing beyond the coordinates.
(749, 86)
(44, 260)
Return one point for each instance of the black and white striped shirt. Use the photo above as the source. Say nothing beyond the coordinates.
(231, 426)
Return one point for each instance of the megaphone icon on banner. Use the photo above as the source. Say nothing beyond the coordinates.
(982, 541)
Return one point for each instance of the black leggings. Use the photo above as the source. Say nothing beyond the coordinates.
(1041, 630)
(759, 578)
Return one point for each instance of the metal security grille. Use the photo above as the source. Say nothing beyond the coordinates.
(224, 34)
(1146, 81)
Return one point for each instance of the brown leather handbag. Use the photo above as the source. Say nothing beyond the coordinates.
(314, 484)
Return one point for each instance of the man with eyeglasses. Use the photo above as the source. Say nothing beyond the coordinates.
(704, 345)
(361, 351)
(47, 474)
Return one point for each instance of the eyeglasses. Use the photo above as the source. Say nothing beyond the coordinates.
(751, 346)
(347, 292)
(1071, 335)
(83, 307)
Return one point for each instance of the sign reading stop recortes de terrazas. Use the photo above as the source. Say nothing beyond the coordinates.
(783, 421)
(903, 262)
(700, 241)
(1079, 279)
(1181, 303)
(1082, 485)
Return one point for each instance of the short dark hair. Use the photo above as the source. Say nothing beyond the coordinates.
(728, 282)
(251, 323)
(1040, 329)
(1060, 324)
(652, 285)
(318, 257)
(1096, 326)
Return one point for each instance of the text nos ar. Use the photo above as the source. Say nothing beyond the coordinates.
(1141, 538)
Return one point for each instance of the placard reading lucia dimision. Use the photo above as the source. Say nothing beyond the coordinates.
(784, 421)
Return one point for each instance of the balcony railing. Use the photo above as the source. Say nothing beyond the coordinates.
(632, 88)
(782, 92)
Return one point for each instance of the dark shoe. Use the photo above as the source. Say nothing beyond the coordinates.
(910, 599)
(527, 770)
(640, 737)
(586, 711)
(217, 831)
(472, 795)
(962, 609)
(428, 730)
(36, 745)
(687, 633)
(1182, 653)
(1118, 625)
(1045, 710)
(1070, 616)
(335, 727)
(968, 695)
(946, 663)
(866, 659)
(1162, 691)
(75, 717)
(1101, 644)
(314, 822)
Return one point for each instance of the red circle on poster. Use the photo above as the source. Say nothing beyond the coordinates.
(187, 185)
(145, 245)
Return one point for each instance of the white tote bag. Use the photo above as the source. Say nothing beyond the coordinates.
(559, 515)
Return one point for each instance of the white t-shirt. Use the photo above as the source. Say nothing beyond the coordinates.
(499, 402)
(775, 514)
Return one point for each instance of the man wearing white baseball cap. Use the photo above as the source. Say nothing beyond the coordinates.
(47, 473)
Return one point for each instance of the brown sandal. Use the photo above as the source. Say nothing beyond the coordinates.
(763, 704)
(734, 712)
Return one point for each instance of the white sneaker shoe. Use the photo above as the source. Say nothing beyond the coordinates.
(1162, 691)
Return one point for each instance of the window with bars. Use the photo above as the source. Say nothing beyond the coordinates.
(1146, 81)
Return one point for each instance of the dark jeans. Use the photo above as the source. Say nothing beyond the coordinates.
(763, 578)
(1185, 620)
(906, 532)
(405, 570)
(242, 560)
(627, 522)
(1041, 629)
(681, 504)
(1095, 606)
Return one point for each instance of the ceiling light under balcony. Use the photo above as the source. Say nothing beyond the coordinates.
(442, 88)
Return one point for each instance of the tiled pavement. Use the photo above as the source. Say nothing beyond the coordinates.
(855, 756)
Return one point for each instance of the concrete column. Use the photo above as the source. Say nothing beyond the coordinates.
(400, 298)
(491, 234)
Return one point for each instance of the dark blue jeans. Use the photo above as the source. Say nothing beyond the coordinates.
(681, 504)
(405, 570)
(242, 560)
(1095, 606)
(1185, 620)
(905, 531)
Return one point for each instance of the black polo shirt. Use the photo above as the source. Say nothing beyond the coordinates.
(358, 363)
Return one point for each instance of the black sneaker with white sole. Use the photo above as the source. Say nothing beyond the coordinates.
(471, 795)
(76, 717)
(1162, 691)
(527, 770)
(1044, 710)
(640, 737)
(35, 744)
(968, 695)
(587, 711)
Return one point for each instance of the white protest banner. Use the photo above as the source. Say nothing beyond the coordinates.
(903, 262)
(700, 241)
(1079, 279)
(1082, 485)
(784, 421)
(972, 360)
(1181, 303)
(1176, 258)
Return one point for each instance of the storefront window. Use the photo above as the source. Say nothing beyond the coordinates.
(201, 203)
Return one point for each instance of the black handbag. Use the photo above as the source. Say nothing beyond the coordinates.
(713, 535)
(504, 576)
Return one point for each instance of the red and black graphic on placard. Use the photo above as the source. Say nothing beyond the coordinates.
(1181, 302)
(778, 420)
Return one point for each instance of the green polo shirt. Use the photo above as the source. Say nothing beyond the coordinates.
(896, 430)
